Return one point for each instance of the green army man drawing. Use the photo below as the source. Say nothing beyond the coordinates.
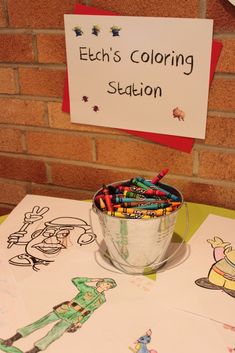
(70, 315)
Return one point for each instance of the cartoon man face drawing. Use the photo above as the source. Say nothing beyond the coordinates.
(49, 242)
(46, 243)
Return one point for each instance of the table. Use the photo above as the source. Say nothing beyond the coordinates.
(197, 214)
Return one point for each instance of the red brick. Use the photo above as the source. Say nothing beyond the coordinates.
(51, 48)
(157, 8)
(54, 191)
(221, 95)
(39, 13)
(3, 20)
(23, 169)
(143, 155)
(10, 140)
(11, 193)
(7, 80)
(59, 145)
(226, 61)
(61, 120)
(41, 82)
(220, 131)
(85, 177)
(216, 165)
(223, 13)
(209, 194)
(16, 48)
(23, 112)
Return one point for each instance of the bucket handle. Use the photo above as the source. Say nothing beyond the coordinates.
(186, 229)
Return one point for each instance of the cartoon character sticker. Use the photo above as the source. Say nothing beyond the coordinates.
(141, 343)
(68, 316)
(95, 30)
(78, 31)
(44, 244)
(115, 31)
(221, 275)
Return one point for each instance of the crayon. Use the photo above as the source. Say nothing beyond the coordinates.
(152, 186)
(152, 192)
(102, 205)
(138, 203)
(159, 176)
(132, 188)
(132, 194)
(142, 211)
(139, 183)
(107, 198)
(116, 199)
(153, 206)
(146, 183)
(102, 196)
(129, 216)
(175, 204)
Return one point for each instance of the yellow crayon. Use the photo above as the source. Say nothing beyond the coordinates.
(129, 216)
(142, 211)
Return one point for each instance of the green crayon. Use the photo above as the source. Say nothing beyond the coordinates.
(154, 206)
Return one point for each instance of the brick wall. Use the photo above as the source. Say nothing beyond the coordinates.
(41, 152)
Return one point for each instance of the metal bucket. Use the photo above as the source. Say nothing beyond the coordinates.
(138, 246)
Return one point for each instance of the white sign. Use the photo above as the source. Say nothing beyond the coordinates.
(139, 73)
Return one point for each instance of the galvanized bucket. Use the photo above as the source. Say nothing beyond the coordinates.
(138, 246)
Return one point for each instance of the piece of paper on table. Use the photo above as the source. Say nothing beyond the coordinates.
(129, 311)
(134, 306)
(41, 228)
(179, 282)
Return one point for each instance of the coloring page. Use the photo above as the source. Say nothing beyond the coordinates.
(205, 282)
(40, 229)
(79, 305)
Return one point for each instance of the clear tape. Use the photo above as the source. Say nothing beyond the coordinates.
(158, 264)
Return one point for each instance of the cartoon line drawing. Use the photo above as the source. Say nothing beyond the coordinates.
(178, 113)
(141, 344)
(222, 273)
(46, 243)
(69, 315)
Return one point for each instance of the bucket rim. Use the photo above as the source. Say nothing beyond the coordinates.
(97, 210)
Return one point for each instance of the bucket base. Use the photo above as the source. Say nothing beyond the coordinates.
(132, 270)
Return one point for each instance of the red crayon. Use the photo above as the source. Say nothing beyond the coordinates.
(154, 192)
(107, 198)
(160, 176)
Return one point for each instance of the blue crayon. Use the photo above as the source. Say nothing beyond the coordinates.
(152, 186)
